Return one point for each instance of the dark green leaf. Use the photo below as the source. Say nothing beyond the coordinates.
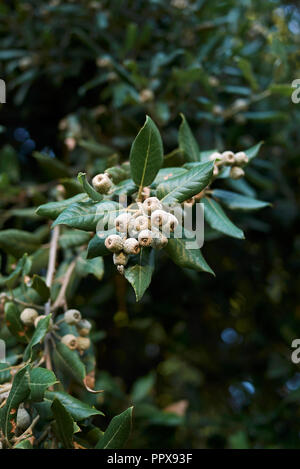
(140, 272)
(187, 142)
(118, 431)
(146, 155)
(218, 220)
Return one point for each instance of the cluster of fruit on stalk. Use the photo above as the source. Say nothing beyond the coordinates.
(146, 225)
(235, 161)
(30, 317)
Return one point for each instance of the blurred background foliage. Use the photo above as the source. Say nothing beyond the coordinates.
(205, 361)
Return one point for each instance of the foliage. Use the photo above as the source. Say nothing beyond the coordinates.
(210, 354)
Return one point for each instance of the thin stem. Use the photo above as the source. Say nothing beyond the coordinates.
(61, 299)
(28, 431)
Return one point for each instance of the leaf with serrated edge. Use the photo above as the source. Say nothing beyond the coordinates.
(183, 187)
(217, 219)
(78, 409)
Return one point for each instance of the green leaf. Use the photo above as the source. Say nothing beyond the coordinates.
(52, 166)
(9, 163)
(142, 387)
(139, 274)
(183, 187)
(165, 174)
(69, 361)
(24, 444)
(94, 195)
(217, 219)
(40, 380)
(86, 215)
(74, 238)
(236, 201)
(22, 268)
(18, 394)
(253, 151)
(18, 242)
(146, 155)
(187, 142)
(246, 69)
(63, 424)
(39, 285)
(14, 323)
(118, 431)
(53, 209)
(86, 266)
(181, 254)
(78, 409)
(96, 246)
(39, 334)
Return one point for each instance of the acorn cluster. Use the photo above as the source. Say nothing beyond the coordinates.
(82, 342)
(30, 317)
(236, 161)
(147, 226)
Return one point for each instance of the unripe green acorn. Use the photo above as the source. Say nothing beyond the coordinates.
(28, 316)
(122, 222)
(23, 418)
(72, 316)
(131, 246)
(171, 223)
(42, 316)
(145, 238)
(241, 158)
(114, 243)
(236, 172)
(228, 158)
(159, 218)
(141, 223)
(151, 204)
(159, 241)
(102, 183)
(120, 258)
(83, 343)
(70, 341)
(84, 327)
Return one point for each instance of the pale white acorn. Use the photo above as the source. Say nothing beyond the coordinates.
(171, 224)
(141, 223)
(28, 316)
(72, 316)
(151, 204)
(159, 241)
(122, 222)
(120, 258)
(228, 158)
(145, 238)
(70, 341)
(114, 243)
(241, 158)
(131, 246)
(102, 183)
(83, 343)
(159, 218)
(84, 327)
(236, 172)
